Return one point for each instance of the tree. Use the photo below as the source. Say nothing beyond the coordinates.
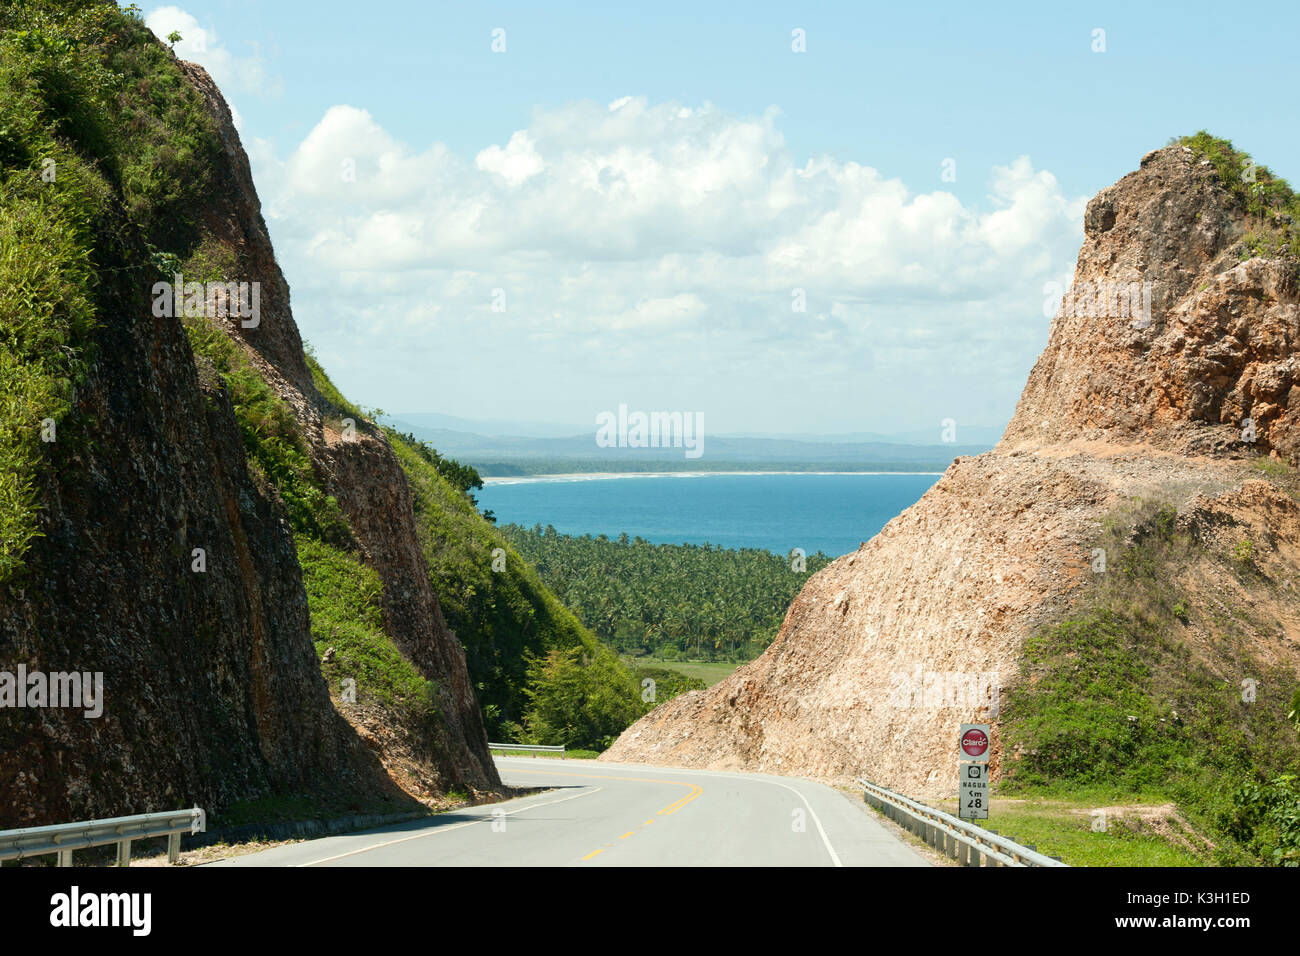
(581, 705)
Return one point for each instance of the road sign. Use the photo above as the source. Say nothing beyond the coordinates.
(974, 742)
(973, 791)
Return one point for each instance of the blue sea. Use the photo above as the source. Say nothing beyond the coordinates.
(817, 512)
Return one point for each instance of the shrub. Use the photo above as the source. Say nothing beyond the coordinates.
(1269, 202)
(346, 602)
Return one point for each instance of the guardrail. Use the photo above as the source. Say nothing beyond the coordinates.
(539, 748)
(64, 838)
(969, 844)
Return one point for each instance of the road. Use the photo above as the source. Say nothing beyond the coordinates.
(604, 814)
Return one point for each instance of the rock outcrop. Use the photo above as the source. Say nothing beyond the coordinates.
(888, 649)
(212, 689)
(212, 692)
(362, 473)
(1216, 353)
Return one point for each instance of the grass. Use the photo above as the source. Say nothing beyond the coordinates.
(706, 672)
(347, 627)
(1063, 827)
(1139, 829)
(1115, 696)
(1272, 208)
(104, 147)
(45, 315)
(567, 755)
(274, 446)
(1278, 473)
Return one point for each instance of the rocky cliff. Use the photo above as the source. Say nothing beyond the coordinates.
(211, 688)
(1172, 371)
(358, 466)
(165, 559)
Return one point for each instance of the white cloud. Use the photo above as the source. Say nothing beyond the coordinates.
(612, 229)
(516, 164)
(659, 313)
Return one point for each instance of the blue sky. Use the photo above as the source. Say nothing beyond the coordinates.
(622, 205)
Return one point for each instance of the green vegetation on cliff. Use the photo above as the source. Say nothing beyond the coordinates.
(103, 147)
(343, 595)
(1159, 686)
(540, 675)
(1272, 206)
(274, 447)
(347, 626)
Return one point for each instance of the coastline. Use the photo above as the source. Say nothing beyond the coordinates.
(605, 475)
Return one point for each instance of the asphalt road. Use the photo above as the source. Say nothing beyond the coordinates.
(605, 814)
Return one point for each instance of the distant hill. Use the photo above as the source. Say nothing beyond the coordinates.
(498, 455)
(485, 426)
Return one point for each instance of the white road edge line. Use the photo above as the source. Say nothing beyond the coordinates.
(835, 857)
(457, 826)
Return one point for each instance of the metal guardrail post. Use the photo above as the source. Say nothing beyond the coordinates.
(535, 748)
(971, 845)
(61, 840)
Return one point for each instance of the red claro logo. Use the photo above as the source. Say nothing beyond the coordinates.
(974, 742)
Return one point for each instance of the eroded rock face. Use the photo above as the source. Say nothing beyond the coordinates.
(213, 693)
(1220, 346)
(366, 478)
(211, 688)
(362, 473)
(888, 649)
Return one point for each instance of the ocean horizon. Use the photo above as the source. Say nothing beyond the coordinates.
(832, 512)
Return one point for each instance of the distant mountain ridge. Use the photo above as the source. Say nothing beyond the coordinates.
(516, 454)
(967, 435)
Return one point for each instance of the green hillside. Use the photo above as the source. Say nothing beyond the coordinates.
(1159, 687)
(104, 149)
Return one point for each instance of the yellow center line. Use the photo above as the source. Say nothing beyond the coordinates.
(695, 791)
(673, 808)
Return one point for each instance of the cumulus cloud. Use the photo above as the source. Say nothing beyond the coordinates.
(609, 228)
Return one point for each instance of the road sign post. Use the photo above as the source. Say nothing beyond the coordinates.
(974, 744)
